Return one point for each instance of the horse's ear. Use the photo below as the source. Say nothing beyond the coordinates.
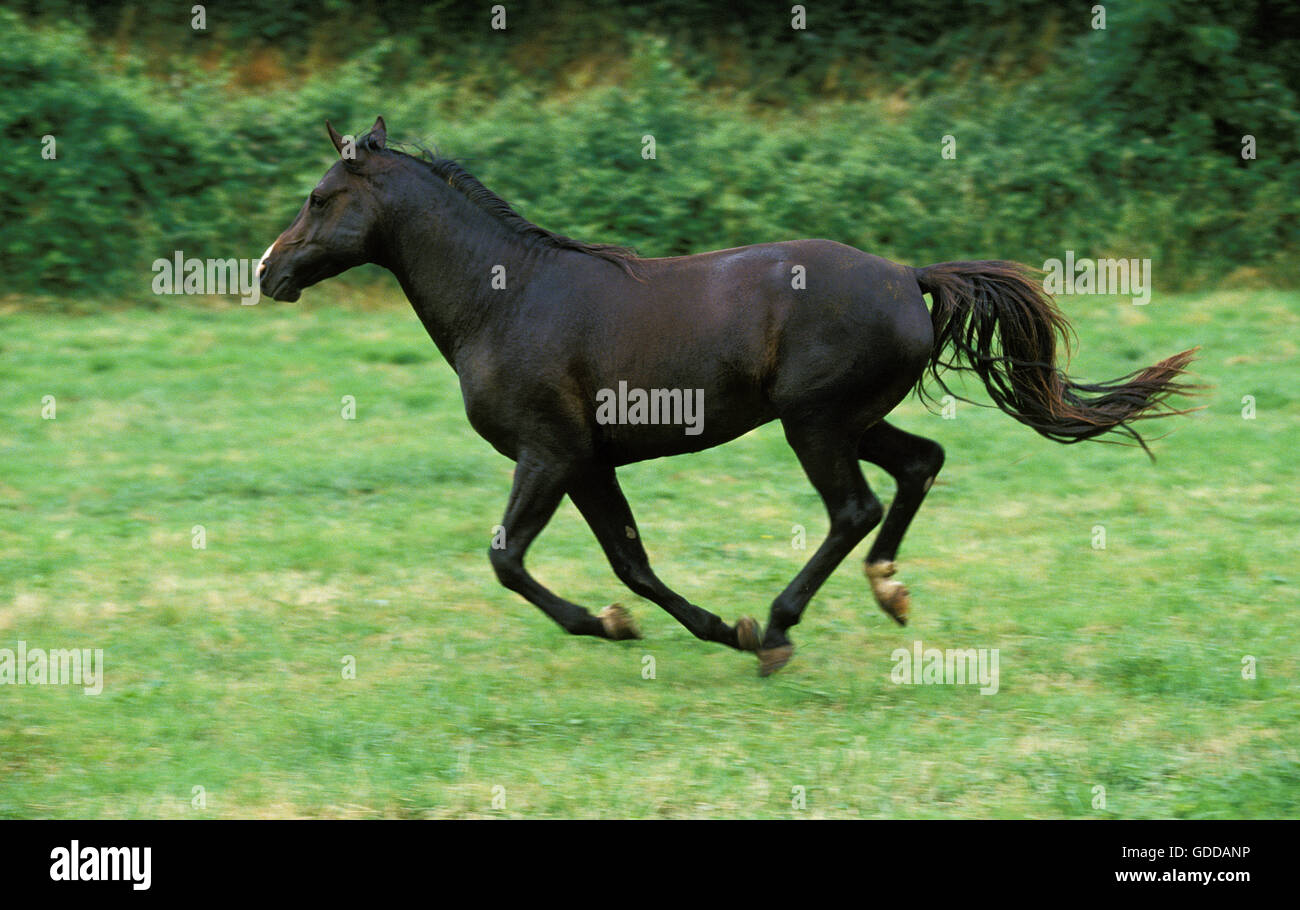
(378, 134)
(335, 137)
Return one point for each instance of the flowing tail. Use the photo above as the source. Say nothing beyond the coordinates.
(1004, 326)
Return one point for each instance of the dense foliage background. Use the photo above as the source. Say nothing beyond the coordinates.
(1122, 141)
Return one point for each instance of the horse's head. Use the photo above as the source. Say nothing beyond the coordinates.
(337, 226)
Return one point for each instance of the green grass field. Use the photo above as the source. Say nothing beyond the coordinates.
(327, 539)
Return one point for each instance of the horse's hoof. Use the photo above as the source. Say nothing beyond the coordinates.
(747, 634)
(892, 596)
(618, 623)
(895, 600)
(772, 659)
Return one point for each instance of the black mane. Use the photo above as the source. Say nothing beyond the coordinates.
(469, 186)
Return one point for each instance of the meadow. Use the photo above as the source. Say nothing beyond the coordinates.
(331, 543)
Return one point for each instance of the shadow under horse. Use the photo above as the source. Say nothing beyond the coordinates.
(573, 359)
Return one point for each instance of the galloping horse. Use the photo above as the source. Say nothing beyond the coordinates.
(540, 328)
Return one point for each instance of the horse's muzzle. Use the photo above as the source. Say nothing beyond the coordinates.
(273, 286)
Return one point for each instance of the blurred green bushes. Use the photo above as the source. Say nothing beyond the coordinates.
(1123, 142)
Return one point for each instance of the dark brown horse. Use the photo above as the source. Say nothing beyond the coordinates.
(577, 358)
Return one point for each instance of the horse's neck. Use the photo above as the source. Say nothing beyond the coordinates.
(459, 269)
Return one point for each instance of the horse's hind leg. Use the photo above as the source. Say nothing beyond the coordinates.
(913, 462)
(828, 457)
(599, 498)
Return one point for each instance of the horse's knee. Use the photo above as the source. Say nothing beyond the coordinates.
(508, 566)
(636, 576)
(639, 583)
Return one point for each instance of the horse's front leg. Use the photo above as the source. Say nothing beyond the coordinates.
(538, 487)
(596, 493)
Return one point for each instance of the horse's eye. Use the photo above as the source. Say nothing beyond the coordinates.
(316, 201)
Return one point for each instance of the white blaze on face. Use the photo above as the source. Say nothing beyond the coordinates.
(261, 263)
